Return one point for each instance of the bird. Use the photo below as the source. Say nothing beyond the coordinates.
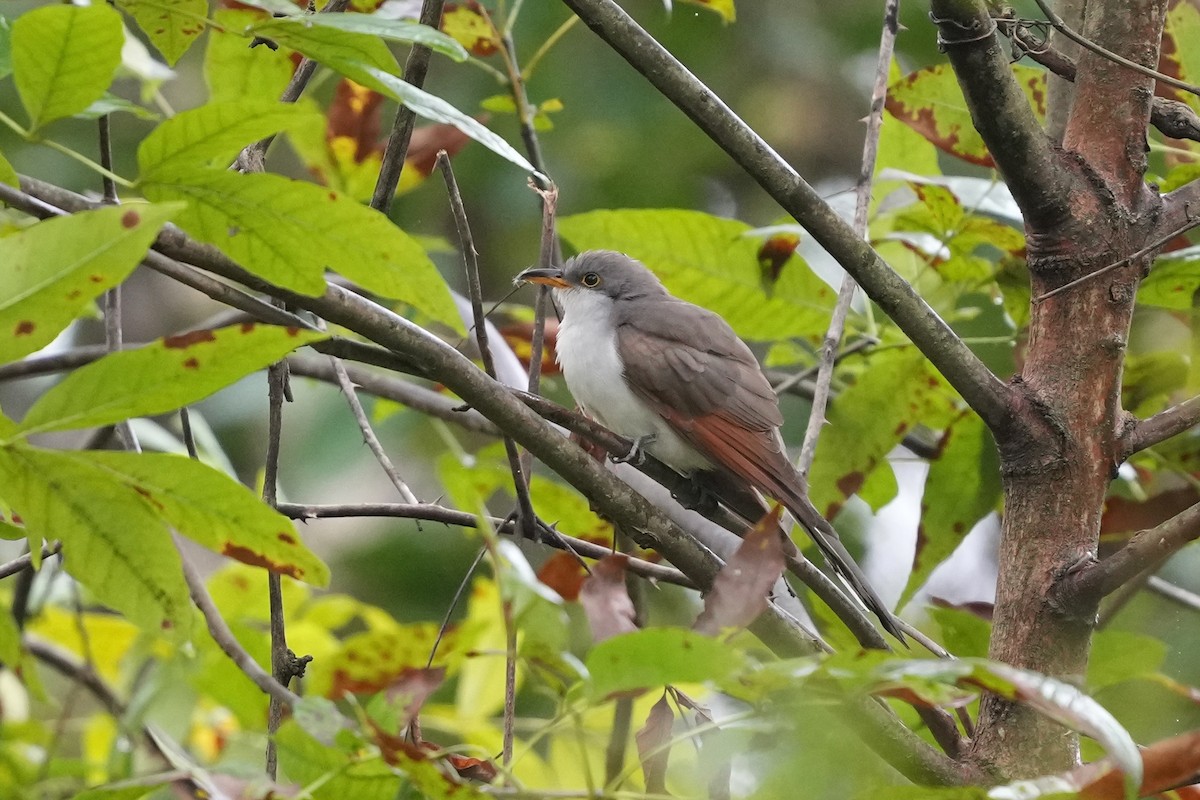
(675, 379)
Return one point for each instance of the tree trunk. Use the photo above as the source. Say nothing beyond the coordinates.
(1064, 442)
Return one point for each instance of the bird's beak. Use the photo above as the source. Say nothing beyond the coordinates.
(547, 276)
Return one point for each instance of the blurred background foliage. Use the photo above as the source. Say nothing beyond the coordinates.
(799, 71)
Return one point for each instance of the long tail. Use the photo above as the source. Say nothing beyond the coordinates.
(839, 558)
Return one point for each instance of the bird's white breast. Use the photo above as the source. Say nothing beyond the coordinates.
(587, 352)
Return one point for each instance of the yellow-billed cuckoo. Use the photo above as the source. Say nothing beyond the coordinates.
(676, 379)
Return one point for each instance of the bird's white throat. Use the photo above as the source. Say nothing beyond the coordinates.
(587, 352)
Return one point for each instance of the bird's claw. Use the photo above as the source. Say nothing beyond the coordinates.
(637, 452)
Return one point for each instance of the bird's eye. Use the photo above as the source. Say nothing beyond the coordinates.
(591, 280)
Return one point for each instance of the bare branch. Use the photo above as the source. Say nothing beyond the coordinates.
(526, 516)
(435, 513)
(1181, 208)
(23, 562)
(862, 202)
(1001, 112)
(400, 391)
(415, 70)
(1082, 588)
(1162, 426)
(982, 390)
(1060, 26)
(1172, 117)
(368, 432)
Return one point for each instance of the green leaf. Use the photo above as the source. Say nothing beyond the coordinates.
(1064, 704)
(111, 104)
(931, 103)
(5, 48)
(170, 25)
(659, 656)
(1173, 281)
(213, 135)
(962, 488)
(1121, 656)
(10, 639)
(710, 261)
(351, 55)
(346, 51)
(308, 761)
(392, 30)
(7, 173)
(289, 232)
(64, 57)
(112, 543)
(964, 634)
(235, 71)
(1180, 34)
(214, 510)
(55, 268)
(866, 421)
(161, 376)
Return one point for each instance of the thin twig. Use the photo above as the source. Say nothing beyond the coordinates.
(228, 643)
(547, 255)
(1142, 253)
(113, 329)
(416, 67)
(251, 159)
(368, 433)
(1059, 25)
(435, 513)
(276, 383)
(458, 595)
(471, 264)
(22, 562)
(837, 323)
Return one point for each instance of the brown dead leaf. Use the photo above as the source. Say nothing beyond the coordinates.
(563, 573)
(740, 591)
(652, 739)
(605, 599)
(1167, 764)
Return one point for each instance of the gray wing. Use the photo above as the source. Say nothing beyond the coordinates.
(688, 359)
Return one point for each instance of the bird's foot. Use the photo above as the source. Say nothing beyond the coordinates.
(637, 452)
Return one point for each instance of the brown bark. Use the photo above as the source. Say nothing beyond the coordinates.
(1065, 443)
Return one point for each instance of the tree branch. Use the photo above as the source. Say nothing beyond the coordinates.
(1181, 208)
(435, 513)
(1173, 118)
(1162, 426)
(416, 67)
(1001, 113)
(1082, 588)
(982, 390)
(613, 498)
(862, 202)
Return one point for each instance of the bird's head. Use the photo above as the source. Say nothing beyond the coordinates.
(605, 272)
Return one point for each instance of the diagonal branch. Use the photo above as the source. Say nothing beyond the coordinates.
(982, 390)
(1001, 112)
(1162, 426)
(1082, 588)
